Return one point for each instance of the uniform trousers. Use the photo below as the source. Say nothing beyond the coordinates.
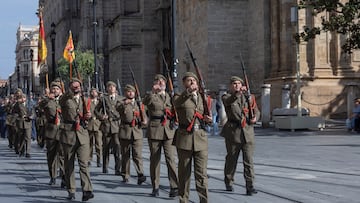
(135, 148)
(23, 139)
(96, 137)
(82, 153)
(155, 157)
(233, 151)
(200, 172)
(108, 143)
(55, 157)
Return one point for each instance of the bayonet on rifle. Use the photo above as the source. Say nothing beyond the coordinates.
(138, 97)
(248, 93)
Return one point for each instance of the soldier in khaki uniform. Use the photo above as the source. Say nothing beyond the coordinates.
(191, 140)
(110, 125)
(40, 121)
(23, 123)
(131, 135)
(160, 134)
(75, 140)
(94, 128)
(54, 151)
(239, 133)
(11, 123)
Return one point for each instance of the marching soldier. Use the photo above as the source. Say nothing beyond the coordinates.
(94, 127)
(75, 140)
(239, 133)
(11, 123)
(54, 151)
(110, 118)
(160, 134)
(191, 140)
(131, 135)
(23, 123)
(41, 119)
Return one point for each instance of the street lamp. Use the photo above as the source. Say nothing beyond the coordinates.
(31, 71)
(96, 74)
(53, 36)
(295, 21)
(173, 45)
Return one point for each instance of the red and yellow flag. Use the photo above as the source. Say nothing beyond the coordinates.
(42, 50)
(69, 53)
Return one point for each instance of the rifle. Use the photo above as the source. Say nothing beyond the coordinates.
(171, 87)
(85, 110)
(102, 89)
(120, 92)
(201, 81)
(248, 93)
(138, 97)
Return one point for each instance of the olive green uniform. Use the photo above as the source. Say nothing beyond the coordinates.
(94, 131)
(40, 122)
(160, 135)
(75, 141)
(110, 129)
(11, 125)
(239, 136)
(131, 138)
(23, 125)
(191, 145)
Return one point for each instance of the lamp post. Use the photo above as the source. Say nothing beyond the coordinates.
(295, 21)
(31, 71)
(53, 64)
(96, 74)
(173, 45)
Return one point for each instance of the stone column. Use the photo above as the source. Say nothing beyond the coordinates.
(350, 97)
(265, 105)
(285, 97)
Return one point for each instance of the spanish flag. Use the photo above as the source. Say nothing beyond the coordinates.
(42, 50)
(69, 53)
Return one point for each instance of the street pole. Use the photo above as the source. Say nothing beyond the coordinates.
(295, 21)
(173, 46)
(53, 64)
(31, 71)
(95, 45)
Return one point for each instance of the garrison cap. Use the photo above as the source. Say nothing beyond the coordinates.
(18, 91)
(190, 74)
(129, 87)
(75, 80)
(236, 78)
(110, 83)
(55, 84)
(159, 76)
(93, 88)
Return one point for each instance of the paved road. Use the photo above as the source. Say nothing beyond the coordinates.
(300, 166)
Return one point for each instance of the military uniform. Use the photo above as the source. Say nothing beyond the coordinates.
(160, 135)
(110, 128)
(94, 131)
(75, 141)
(54, 150)
(131, 138)
(11, 125)
(40, 121)
(191, 142)
(239, 136)
(23, 124)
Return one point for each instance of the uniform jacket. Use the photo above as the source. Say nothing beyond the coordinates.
(159, 123)
(94, 122)
(23, 115)
(10, 118)
(111, 125)
(128, 115)
(237, 124)
(185, 106)
(71, 110)
(52, 112)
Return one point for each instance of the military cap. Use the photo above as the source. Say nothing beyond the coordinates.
(18, 91)
(55, 84)
(235, 78)
(129, 87)
(159, 76)
(75, 80)
(110, 83)
(93, 88)
(190, 74)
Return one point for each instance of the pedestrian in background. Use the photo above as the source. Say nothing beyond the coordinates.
(239, 133)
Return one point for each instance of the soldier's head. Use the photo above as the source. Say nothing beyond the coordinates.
(129, 91)
(75, 86)
(111, 87)
(94, 93)
(56, 88)
(236, 84)
(160, 80)
(190, 80)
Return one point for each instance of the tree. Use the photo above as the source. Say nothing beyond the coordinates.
(85, 65)
(343, 18)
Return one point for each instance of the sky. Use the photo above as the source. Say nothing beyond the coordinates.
(12, 14)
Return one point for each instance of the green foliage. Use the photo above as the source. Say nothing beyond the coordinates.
(84, 62)
(343, 18)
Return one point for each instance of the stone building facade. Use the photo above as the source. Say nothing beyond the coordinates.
(220, 33)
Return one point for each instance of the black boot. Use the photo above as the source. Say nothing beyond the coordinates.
(87, 195)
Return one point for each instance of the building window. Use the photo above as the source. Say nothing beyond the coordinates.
(132, 6)
(26, 54)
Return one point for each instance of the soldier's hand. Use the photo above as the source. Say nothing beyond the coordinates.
(105, 117)
(87, 115)
(253, 120)
(156, 88)
(207, 119)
